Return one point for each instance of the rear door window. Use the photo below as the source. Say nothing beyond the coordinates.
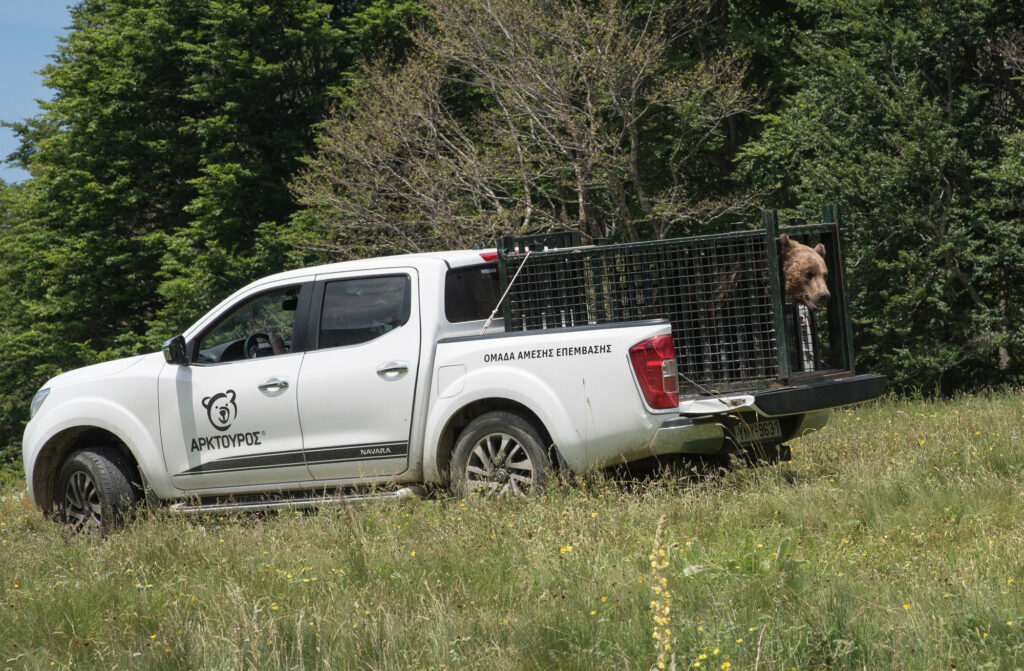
(362, 309)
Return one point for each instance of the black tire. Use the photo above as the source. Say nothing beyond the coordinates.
(96, 490)
(499, 454)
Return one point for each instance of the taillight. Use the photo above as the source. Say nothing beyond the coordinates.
(654, 362)
(489, 256)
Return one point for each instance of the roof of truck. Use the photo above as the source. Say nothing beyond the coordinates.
(454, 259)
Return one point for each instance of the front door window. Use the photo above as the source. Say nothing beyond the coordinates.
(264, 326)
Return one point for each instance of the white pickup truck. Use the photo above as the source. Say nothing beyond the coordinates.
(307, 386)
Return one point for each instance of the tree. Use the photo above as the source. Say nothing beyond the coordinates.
(159, 168)
(29, 355)
(262, 76)
(526, 115)
(910, 116)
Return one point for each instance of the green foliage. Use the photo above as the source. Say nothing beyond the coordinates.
(517, 116)
(910, 116)
(159, 168)
(259, 78)
(892, 540)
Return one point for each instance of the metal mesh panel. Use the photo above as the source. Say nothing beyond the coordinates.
(714, 289)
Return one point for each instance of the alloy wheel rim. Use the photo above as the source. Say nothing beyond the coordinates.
(82, 504)
(499, 465)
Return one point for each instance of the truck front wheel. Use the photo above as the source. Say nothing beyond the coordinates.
(499, 453)
(95, 490)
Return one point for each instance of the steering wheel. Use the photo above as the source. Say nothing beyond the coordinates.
(251, 348)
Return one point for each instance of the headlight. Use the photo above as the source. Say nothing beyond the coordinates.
(37, 401)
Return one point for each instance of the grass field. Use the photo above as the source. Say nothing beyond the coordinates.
(893, 540)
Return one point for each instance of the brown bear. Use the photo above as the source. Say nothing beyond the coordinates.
(804, 273)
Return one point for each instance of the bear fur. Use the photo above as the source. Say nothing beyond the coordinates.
(804, 273)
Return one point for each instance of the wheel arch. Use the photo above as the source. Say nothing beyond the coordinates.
(59, 446)
(467, 413)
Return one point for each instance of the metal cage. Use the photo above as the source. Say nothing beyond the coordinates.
(722, 294)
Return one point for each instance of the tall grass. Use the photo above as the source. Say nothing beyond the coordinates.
(894, 539)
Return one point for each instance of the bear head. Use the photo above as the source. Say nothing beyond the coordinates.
(804, 273)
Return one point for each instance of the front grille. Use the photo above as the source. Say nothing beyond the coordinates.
(715, 290)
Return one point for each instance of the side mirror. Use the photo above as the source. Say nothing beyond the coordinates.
(175, 351)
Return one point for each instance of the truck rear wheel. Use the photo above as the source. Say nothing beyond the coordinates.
(95, 490)
(499, 454)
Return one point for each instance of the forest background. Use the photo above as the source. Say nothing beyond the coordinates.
(191, 146)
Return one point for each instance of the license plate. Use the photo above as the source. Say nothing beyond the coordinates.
(763, 431)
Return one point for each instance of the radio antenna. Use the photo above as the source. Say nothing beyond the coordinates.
(487, 324)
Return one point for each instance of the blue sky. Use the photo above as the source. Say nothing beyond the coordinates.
(28, 35)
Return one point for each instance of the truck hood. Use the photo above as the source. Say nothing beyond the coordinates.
(98, 370)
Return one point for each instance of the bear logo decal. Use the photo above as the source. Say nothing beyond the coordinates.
(221, 409)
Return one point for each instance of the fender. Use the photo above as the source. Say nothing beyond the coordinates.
(513, 384)
(114, 418)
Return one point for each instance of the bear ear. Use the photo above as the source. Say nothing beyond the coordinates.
(784, 244)
(206, 402)
(230, 393)
(820, 248)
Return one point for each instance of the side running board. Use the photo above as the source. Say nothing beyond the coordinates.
(291, 503)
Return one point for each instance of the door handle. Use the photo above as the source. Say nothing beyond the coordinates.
(273, 384)
(393, 369)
